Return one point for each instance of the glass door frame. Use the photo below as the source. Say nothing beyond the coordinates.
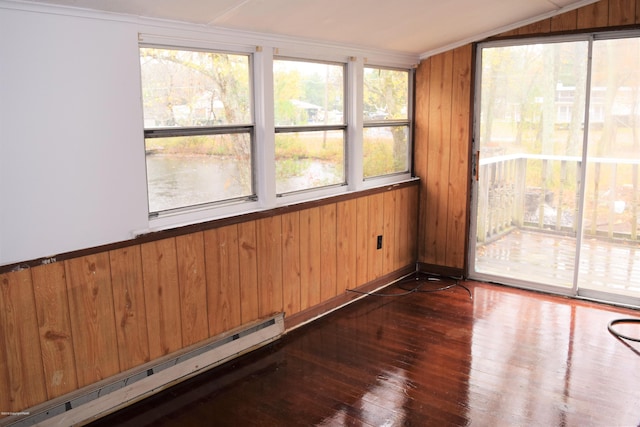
(574, 290)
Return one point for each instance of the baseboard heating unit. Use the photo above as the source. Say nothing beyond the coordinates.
(90, 403)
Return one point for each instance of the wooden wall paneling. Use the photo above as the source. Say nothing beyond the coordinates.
(248, 262)
(56, 341)
(389, 244)
(436, 213)
(509, 33)
(223, 283)
(375, 256)
(594, 15)
(269, 232)
(291, 263)
(91, 308)
(21, 371)
(310, 248)
(406, 214)
(459, 158)
(129, 307)
(193, 288)
(328, 252)
(540, 27)
(403, 216)
(413, 219)
(637, 14)
(622, 12)
(567, 21)
(362, 240)
(347, 242)
(421, 152)
(162, 296)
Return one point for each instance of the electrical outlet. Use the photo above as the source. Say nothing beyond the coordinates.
(380, 242)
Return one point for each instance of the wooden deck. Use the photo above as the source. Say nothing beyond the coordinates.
(549, 259)
(502, 358)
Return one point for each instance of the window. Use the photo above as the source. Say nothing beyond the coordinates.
(198, 127)
(386, 132)
(309, 124)
(209, 152)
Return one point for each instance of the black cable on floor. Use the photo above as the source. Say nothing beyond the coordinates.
(618, 334)
(623, 338)
(415, 289)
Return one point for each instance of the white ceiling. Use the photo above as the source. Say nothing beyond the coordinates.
(411, 26)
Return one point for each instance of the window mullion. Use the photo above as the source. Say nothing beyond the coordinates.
(355, 114)
(264, 167)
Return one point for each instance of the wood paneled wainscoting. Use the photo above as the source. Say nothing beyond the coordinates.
(69, 322)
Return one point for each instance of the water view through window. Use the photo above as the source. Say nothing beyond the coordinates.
(198, 127)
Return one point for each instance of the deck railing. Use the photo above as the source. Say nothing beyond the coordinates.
(542, 192)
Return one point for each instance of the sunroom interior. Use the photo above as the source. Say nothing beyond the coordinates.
(174, 173)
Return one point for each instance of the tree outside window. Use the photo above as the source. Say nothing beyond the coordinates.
(198, 127)
(386, 121)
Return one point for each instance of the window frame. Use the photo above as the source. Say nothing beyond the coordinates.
(408, 123)
(262, 53)
(303, 194)
(209, 130)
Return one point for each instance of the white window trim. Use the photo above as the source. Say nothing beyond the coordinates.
(262, 58)
(381, 180)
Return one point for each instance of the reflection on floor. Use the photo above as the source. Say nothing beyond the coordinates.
(504, 357)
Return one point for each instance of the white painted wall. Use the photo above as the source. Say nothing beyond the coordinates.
(72, 165)
(71, 144)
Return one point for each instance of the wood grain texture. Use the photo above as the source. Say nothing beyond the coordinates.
(310, 257)
(567, 21)
(328, 252)
(291, 263)
(95, 341)
(437, 191)
(193, 288)
(421, 148)
(540, 27)
(594, 15)
(401, 232)
(404, 215)
(389, 242)
(412, 213)
(129, 306)
(621, 12)
(457, 217)
(223, 290)
(346, 233)
(375, 228)
(162, 296)
(269, 244)
(248, 262)
(56, 341)
(362, 239)
(22, 381)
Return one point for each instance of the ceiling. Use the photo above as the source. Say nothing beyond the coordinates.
(411, 26)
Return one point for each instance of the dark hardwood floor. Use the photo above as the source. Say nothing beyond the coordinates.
(505, 357)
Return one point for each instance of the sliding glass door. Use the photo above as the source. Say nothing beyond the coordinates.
(610, 250)
(556, 194)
